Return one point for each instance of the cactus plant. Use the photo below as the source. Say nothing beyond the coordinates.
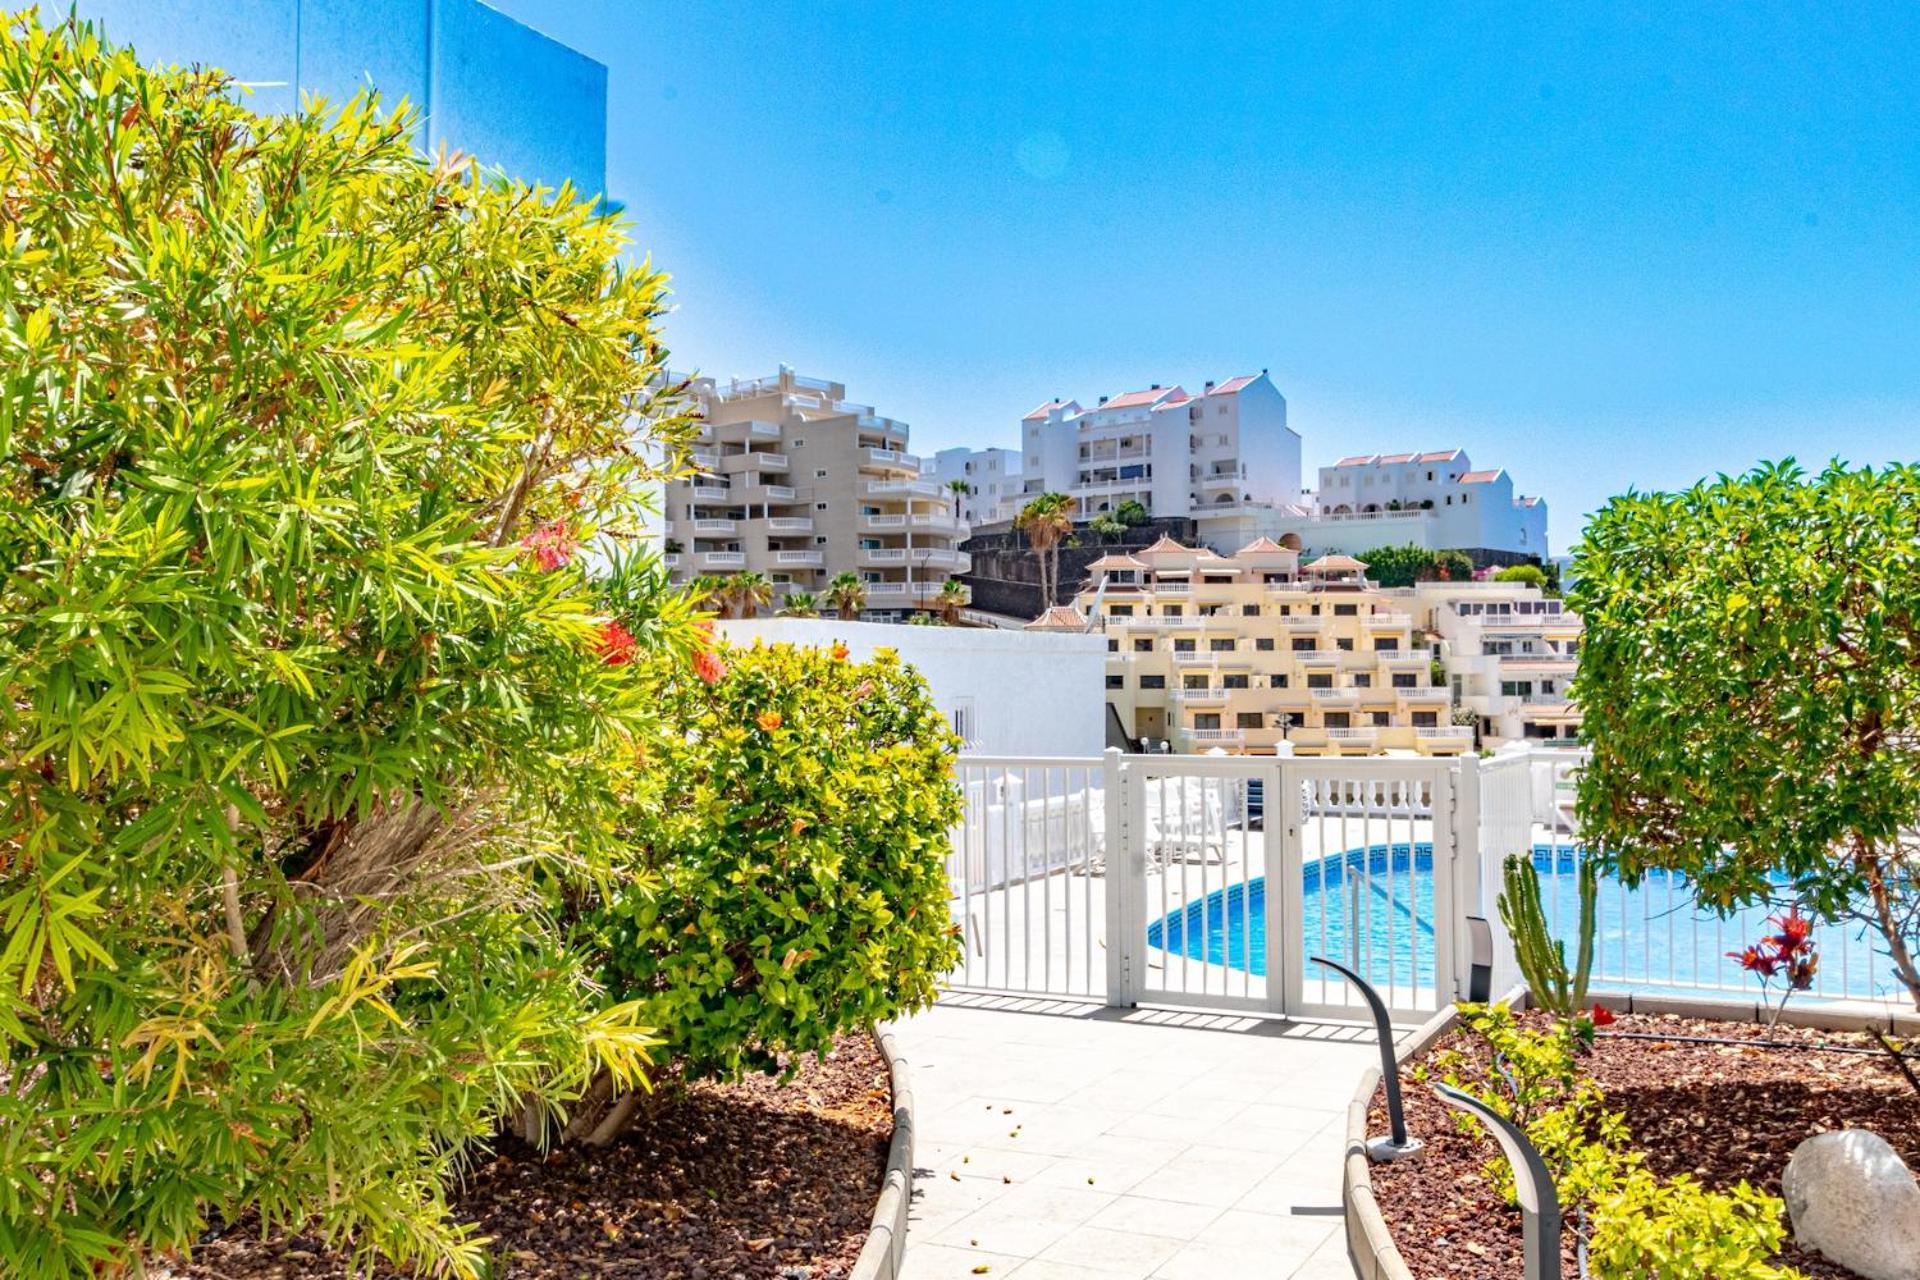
(1542, 957)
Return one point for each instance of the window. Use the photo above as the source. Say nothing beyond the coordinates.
(1141, 644)
(1319, 679)
(1113, 644)
(819, 473)
(799, 444)
(1193, 682)
(1346, 610)
(819, 506)
(819, 539)
(1305, 644)
(1207, 720)
(1183, 646)
(1173, 611)
(1363, 680)
(1116, 682)
(964, 721)
(1426, 719)
(1119, 611)
(1337, 720)
(1263, 644)
(1278, 680)
(1235, 681)
(1222, 644)
(1249, 610)
(1292, 719)
(1382, 719)
(1516, 688)
(1250, 720)
(1386, 644)
(1405, 680)
(1344, 644)
(1153, 682)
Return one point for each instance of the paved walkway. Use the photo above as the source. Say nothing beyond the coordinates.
(1063, 1142)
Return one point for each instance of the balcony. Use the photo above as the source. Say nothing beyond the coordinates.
(1425, 696)
(940, 521)
(1334, 695)
(1297, 623)
(1220, 480)
(1403, 657)
(767, 493)
(790, 524)
(1215, 737)
(707, 462)
(882, 524)
(882, 557)
(1547, 657)
(1393, 621)
(889, 460)
(1171, 588)
(720, 559)
(1199, 695)
(735, 464)
(712, 493)
(805, 559)
(904, 489)
(1192, 658)
(671, 560)
(1445, 733)
(1364, 736)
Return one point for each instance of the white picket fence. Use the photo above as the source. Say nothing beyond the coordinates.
(1211, 881)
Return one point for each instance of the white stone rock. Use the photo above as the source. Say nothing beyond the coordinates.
(1852, 1199)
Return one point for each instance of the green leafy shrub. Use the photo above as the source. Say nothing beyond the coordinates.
(1649, 1229)
(796, 822)
(307, 711)
(1531, 575)
(1747, 685)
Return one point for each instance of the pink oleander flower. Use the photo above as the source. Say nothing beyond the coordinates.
(551, 545)
(616, 645)
(708, 666)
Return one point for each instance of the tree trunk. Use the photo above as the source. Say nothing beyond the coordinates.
(1883, 919)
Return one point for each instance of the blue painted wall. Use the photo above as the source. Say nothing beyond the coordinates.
(488, 85)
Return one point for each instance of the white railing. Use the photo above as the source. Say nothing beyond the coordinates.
(1388, 620)
(706, 461)
(711, 493)
(1333, 695)
(778, 493)
(812, 558)
(884, 555)
(1172, 588)
(723, 559)
(1216, 736)
(1147, 879)
(1199, 695)
(715, 526)
(766, 461)
(1444, 732)
(1364, 733)
(790, 524)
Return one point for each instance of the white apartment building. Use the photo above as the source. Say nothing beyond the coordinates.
(992, 477)
(1437, 500)
(795, 481)
(1510, 655)
(1225, 448)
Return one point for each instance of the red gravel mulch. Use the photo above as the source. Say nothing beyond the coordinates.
(1722, 1113)
(754, 1181)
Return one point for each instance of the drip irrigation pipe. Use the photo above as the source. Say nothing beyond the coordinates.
(1820, 1045)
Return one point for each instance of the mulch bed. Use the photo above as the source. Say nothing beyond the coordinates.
(1722, 1113)
(754, 1181)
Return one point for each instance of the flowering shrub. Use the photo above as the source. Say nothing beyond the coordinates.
(795, 820)
(307, 719)
(1790, 955)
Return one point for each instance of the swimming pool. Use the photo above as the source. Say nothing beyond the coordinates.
(1372, 908)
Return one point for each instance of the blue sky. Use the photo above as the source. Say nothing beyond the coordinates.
(1603, 246)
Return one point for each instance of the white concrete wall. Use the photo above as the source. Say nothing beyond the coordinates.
(1027, 693)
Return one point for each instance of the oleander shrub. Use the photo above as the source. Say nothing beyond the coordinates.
(796, 824)
(309, 718)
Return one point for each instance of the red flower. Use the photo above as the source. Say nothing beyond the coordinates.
(1603, 1016)
(839, 652)
(1795, 929)
(708, 666)
(616, 645)
(1762, 961)
(551, 545)
(768, 720)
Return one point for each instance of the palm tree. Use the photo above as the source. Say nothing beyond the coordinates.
(1046, 521)
(801, 604)
(745, 593)
(705, 592)
(960, 489)
(847, 595)
(953, 597)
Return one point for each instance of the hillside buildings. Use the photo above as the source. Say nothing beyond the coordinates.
(992, 476)
(795, 481)
(1176, 453)
(1260, 653)
(482, 83)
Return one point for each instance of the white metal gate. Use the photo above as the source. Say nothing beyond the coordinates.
(1208, 881)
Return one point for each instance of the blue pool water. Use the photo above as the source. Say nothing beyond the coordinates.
(1372, 908)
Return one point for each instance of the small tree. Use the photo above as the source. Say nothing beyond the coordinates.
(800, 604)
(745, 594)
(1750, 683)
(960, 489)
(796, 820)
(953, 597)
(1450, 566)
(1399, 566)
(1131, 513)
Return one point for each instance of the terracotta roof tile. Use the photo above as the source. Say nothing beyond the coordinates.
(1358, 460)
(1135, 399)
(1479, 477)
(1045, 409)
(1058, 618)
(1231, 385)
(1444, 455)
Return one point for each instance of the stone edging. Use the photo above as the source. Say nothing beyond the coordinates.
(1369, 1245)
(887, 1238)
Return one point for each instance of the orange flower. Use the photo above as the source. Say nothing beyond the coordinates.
(840, 652)
(617, 645)
(768, 720)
